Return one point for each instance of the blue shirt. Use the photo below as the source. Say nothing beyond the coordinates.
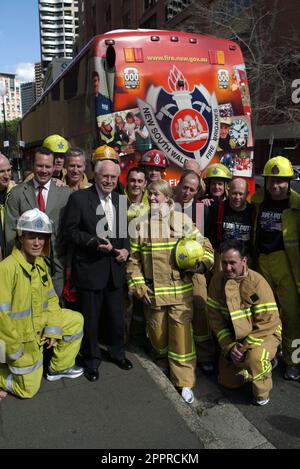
(103, 105)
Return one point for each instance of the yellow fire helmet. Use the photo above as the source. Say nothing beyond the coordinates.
(188, 253)
(105, 153)
(56, 143)
(226, 120)
(279, 166)
(218, 170)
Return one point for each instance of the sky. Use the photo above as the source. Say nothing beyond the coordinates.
(19, 38)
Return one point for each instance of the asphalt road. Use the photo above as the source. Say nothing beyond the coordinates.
(124, 409)
(279, 421)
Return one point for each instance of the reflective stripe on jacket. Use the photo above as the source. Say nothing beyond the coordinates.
(242, 310)
(290, 230)
(29, 305)
(2, 207)
(152, 259)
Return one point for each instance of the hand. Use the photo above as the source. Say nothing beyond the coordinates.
(50, 342)
(207, 202)
(199, 268)
(236, 355)
(105, 247)
(123, 255)
(146, 298)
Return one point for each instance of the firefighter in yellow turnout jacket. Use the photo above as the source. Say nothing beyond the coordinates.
(166, 291)
(245, 319)
(30, 315)
(277, 242)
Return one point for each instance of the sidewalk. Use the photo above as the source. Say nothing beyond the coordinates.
(218, 424)
(123, 410)
(137, 409)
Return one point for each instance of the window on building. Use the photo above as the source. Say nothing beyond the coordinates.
(149, 4)
(174, 7)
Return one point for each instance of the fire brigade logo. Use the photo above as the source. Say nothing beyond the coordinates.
(275, 169)
(189, 130)
(223, 78)
(131, 77)
(183, 123)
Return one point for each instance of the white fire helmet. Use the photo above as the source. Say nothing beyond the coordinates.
(34, 221)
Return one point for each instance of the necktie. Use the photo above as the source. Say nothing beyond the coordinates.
(40, 198)
(108, 212)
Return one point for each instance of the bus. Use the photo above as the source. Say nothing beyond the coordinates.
(183, 93)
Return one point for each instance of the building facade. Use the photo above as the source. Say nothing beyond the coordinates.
(97, 17)
(39, 79)
(12, 98)
(55, 68)
(58, 21)
(27, 96)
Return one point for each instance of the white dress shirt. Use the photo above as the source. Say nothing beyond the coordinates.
(109, 211)
(45, 191)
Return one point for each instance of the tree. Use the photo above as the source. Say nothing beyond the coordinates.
(11, 136)
(271, 65)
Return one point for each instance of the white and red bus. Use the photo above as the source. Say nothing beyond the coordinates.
(187, 94)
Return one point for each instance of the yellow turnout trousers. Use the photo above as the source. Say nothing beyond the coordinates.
(256, 368)
(171, 336)
(276, 270)
(202, 333)
(23, 376)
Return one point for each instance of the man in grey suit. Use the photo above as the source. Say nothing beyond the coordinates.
(40, 192)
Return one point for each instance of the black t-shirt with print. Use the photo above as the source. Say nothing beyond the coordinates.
(235, 225)
(269, 226)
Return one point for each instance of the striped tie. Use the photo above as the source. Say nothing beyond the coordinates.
(108, 213)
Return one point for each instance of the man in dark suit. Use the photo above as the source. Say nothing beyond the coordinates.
(101, 247)
(40, 192)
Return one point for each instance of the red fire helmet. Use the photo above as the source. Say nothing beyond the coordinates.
(154, 158)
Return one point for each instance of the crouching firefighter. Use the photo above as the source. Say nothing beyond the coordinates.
(245, 319)
(30, 315)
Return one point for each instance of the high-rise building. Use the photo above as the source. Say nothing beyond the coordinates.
(39, 80)
(12, 98)
(27, 96)
(58, 29)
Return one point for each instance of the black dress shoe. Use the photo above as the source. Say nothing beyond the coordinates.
(124, 363)
(91, 375)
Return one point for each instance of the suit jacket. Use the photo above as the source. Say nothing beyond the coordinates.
(22, 198)
(91, 269)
